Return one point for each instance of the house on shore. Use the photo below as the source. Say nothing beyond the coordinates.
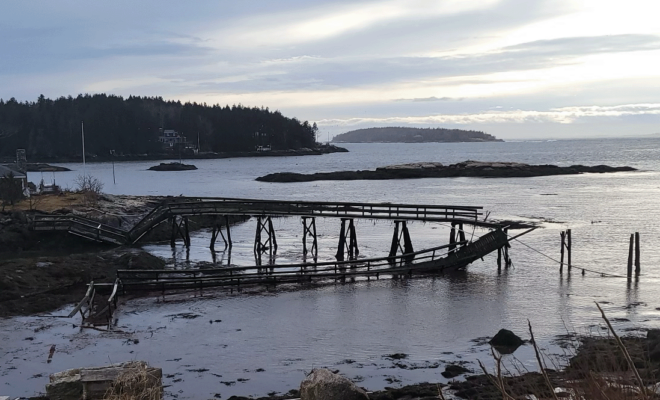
(12, 170)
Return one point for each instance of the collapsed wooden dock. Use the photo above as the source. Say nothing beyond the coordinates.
(402, 260)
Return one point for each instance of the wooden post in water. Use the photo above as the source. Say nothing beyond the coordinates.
(173, 233)
(562, 234)
(257, 237)
(353, 245)
(568, 248)
(304, 240)
(637, 262)
(630, 255)
(187, 231)
(507, 260)
(407, 243)
(452, 237)
(395, 240)
(342, 241)
(228, 231)
(271, 236)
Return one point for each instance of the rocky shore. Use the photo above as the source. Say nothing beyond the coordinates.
(438, 170)
(42, 271)
(323, 149)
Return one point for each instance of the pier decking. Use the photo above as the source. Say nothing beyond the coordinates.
(402, 260)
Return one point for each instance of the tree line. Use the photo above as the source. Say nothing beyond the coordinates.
(394, 134)
(52, 128)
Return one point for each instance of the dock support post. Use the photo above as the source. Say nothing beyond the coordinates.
(562, 234)
(265, 226)
(407, 243)
(630, 255)
(173, 233)
(568, 246)
(461, 232)
(186, 231)
(352, 246)
(217, 230)
(271, 236)
(452, 238)
(353, 251)
(228, 230)
(637, 253)
(342, 241)
(507, 259)
(178, 230)
(395, 240)
(311, 230)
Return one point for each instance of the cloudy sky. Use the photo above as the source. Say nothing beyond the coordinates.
(514, 68)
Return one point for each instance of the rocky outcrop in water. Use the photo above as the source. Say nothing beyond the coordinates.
(468, 168)
(173, 166)
(506, 342)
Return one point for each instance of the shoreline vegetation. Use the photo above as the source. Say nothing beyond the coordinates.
(469, 168)
(114, 126)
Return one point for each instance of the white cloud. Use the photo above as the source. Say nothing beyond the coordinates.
(563, 115)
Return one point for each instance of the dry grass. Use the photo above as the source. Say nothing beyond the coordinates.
(51, 202)
(135, 384)
(609, 376)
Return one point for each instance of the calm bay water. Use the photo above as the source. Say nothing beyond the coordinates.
(431, 319)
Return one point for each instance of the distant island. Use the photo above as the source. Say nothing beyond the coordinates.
(412, 135)
(469, 168)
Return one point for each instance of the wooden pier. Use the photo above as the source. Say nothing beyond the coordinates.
(401, 261)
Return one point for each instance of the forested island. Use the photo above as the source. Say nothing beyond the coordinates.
(143, 126)
(412, 135)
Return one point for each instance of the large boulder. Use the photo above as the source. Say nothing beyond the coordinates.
(65, 385)
(323, 384)
(93, 383)
(506, 342)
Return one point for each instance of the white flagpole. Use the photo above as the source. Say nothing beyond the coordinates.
(82, 128)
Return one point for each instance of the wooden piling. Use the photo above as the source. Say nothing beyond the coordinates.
(187, 231)
(353, 244)
(637, 253)
(452, 237)
(304, 240)
(407, 243)
(562, 234)
(461, 232)
(229, 244)
(173, 233)
(342, 241)
(630, 255)
(271, 236)
(568, 248)
(395, 240)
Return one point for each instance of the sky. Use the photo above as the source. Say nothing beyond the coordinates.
(517, 69)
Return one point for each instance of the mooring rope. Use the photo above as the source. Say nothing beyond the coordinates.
(572, 265)
(604, 274)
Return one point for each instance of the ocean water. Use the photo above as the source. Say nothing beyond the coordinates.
(352, 327)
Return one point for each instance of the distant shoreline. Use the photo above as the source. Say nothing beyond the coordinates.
(326, 149)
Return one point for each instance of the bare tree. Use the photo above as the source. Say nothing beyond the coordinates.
(90, 187)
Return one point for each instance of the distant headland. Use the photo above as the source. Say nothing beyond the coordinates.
(413, 135)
